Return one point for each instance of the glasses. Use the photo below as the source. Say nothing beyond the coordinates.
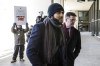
(71, 19)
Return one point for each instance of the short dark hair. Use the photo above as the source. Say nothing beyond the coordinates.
(68, 14)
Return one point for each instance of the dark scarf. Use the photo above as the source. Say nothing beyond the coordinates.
(50, 39)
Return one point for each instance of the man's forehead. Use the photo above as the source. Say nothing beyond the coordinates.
(70, 17)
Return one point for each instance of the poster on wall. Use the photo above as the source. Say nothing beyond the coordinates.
(20, 15)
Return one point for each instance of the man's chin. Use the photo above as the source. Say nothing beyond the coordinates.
(61, 21)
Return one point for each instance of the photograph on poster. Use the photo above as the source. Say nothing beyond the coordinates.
(20, 18)
(20, 15)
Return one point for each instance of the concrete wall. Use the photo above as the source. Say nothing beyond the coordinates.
(99, 4)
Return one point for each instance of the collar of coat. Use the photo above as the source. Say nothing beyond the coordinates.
(53, 22)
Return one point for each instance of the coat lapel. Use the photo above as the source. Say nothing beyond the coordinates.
(72, 32)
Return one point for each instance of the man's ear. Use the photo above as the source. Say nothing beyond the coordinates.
(66, 18)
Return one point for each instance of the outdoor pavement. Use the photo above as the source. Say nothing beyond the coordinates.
(89, 55)
(90, 52)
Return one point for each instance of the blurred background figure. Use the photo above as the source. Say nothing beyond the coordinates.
(28, 33)
(40, 18)
(19, 38)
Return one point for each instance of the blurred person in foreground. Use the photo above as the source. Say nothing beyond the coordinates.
(46, 40)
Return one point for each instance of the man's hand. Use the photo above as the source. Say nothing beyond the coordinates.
(14, 24)
(26, 23)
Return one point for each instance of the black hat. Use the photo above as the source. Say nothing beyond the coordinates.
(53, 8)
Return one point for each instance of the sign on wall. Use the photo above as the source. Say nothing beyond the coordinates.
(20, 15)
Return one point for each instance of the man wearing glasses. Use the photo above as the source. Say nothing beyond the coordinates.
(73, 38)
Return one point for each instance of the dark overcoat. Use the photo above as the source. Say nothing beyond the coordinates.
(73, 45)
(35, 48)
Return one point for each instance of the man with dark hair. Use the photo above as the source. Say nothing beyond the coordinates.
(73, 38)
(40, 17)
(68, 14)
(46, 39)
(19, 37)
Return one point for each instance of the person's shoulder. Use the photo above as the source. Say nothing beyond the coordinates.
(76, 30)
(39, 24)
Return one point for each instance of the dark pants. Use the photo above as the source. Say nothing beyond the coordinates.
(20, 49)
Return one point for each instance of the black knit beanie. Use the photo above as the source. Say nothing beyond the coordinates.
(53, 8)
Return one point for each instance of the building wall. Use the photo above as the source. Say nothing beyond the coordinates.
(94, 18)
